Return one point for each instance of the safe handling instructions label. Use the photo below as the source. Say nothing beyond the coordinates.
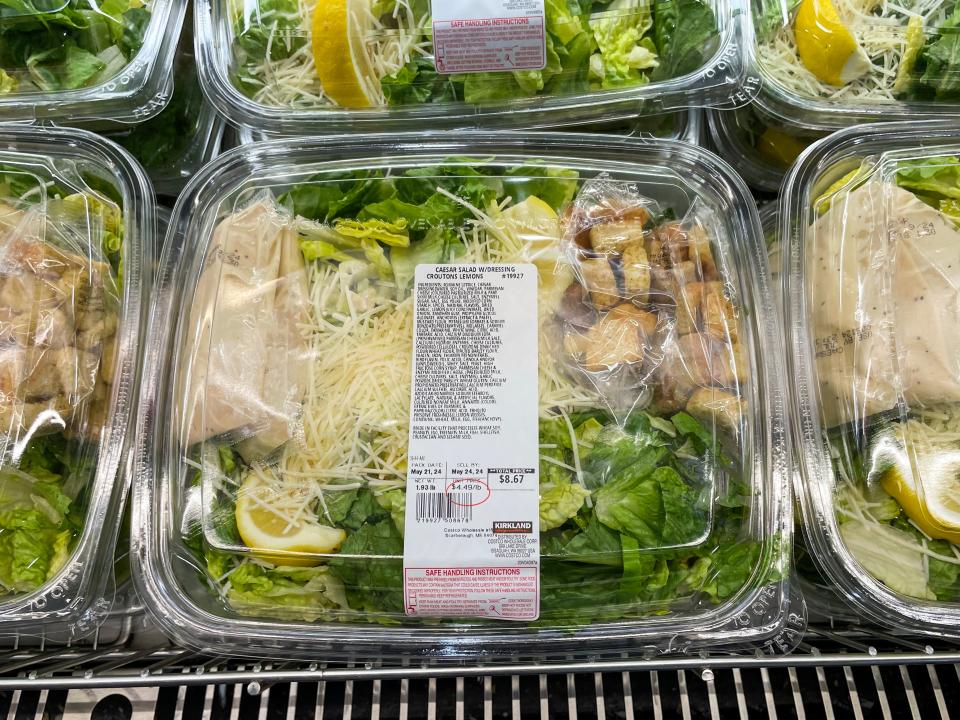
(472, 528)
(471, 36)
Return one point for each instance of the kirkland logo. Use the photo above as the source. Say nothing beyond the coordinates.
(513, 527)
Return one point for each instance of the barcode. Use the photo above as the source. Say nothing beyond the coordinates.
(439, 506)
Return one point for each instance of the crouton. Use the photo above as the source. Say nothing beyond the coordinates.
(636, 270)
(600, 282)
(717, 409)
(611, 238)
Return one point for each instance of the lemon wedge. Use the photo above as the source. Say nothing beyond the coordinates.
(934, 506)
(535, 227)
(262, 529)
(826, 46)
(779, 148)
(340, 54)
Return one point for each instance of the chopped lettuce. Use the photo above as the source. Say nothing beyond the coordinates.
(67, 46)
(890, 555)
(38, 521)
(932, 71)
(388, 232)
(646, 537)
(8, 83)
(289, 593)
(560, 503)
(555, 186)
(624, 51)
(683, 31)
(937, 177)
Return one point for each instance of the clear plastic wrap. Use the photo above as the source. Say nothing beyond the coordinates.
(76, 61)
(280, 442)
(72, 222)
(289, 67)
(873, 232)
(832, 63)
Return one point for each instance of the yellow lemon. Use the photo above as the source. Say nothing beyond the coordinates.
(263, 529)
(779, 148)
(535, 227)
(826, 46)
(935, 506)
(340, 54)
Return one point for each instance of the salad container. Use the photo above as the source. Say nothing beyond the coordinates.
(870, 231)
(176, 143)
(93, 62)
(273, 514)
(760, 149)
(833, 63)
(76, 220)
(291, 67)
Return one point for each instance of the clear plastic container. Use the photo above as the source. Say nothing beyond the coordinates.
(100, 63)
(870, 229)
(185, 136)
(824, 604)
(77, 219)
(833, 63)
(618, 229)
(605, 60)
(685, 125)
(759, 148)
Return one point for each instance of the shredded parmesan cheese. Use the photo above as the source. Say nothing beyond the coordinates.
(881, 32)
(293, 82)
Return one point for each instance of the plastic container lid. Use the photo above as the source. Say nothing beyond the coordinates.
(76, 217)
(72, 61)
(270, 491)
(291, 68)
(832, 63)
(184, 137)
(759, 148)
(871, 233)
(683, 125)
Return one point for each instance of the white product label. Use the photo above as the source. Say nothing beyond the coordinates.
(471, 36)
(472, 533)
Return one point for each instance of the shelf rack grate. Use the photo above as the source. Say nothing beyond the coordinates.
(833, 674)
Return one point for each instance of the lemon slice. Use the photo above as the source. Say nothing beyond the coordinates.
(535, 227)
(263, 529)
(935, 505)
(340, 54)
(826, 46)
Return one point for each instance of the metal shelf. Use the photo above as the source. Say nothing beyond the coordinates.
(141, 658)
(833, 675)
